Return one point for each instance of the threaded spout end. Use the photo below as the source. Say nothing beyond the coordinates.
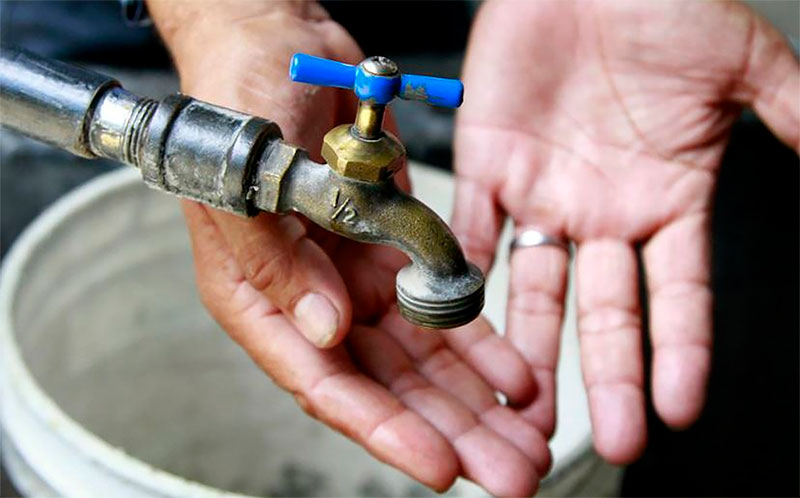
(439, 302)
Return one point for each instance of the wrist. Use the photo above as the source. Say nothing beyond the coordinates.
(190, 30)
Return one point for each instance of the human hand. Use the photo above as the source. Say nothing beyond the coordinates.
(421, 401)
(605, 123)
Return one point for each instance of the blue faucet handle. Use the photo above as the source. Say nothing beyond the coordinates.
(313, 70)
(376, 80)
(442, 92)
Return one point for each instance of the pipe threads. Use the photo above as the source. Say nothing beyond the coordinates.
(440, 315)
(135, 130)
(440, 302)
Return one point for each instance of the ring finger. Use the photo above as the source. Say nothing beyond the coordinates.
(535, 311)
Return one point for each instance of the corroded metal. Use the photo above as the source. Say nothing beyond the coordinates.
(439, 289)
(380, 66)
(203, 152)
(239, 163)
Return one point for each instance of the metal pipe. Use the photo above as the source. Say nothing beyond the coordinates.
(181, 145)
(49, 100)
(239, 163)
(114, 123)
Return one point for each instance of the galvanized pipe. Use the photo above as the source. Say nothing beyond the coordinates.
(112, 120)
(49, 100)
(239, 163)
(181, 145)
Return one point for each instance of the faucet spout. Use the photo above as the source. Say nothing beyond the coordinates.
(439, 288)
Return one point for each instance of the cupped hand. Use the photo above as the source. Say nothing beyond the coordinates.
(316, 311)
(605, 123)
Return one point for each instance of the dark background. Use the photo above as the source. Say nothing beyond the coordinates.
(747, 441)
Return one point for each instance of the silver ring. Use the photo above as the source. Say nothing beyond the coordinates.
(535, 238)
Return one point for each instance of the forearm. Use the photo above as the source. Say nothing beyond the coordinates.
(179, 22)
(193, 31)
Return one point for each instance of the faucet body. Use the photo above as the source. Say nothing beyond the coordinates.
(239, 163)
(440, 288)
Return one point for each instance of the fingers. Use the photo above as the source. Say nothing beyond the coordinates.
(534, 315)
(442, 367)
(477, 221)
(494, 358)
(324, 382)
(677, 264)
(771, 82)
(292, 271)
(487, 458)
(611, 356)
(212, 258)
(489, 362)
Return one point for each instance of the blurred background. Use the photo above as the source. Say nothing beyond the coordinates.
(747, 440)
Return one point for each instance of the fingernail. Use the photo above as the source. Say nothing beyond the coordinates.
(317, 318)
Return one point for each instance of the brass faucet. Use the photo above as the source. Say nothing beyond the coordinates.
(239, 163)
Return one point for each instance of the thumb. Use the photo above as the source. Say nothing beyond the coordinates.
(477, 218)
(771, 82)
(476, 222)
(277, 259)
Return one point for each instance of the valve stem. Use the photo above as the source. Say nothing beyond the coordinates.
(369, 120)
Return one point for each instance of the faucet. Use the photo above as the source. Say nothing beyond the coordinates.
(240, 163)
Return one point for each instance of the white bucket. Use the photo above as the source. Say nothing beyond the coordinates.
(115, 381)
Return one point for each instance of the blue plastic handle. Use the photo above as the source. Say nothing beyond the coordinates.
(306, 68)
(442, 92)
(313, 70)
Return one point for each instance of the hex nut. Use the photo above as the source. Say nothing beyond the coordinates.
(366, 160)
(272, 167)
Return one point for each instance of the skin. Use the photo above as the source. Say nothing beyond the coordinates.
(605, 123)
(619, 116)
(421, 401)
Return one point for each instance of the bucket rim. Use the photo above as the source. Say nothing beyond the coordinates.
(20, 385)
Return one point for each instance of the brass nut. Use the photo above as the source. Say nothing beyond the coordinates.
(272, 168)
(367, 160)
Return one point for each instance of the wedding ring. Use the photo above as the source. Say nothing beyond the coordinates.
(535, 238)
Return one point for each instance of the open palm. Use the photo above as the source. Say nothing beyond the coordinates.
(422, 401)
(605, 123)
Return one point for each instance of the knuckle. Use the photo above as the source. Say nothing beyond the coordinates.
(536, 301)
(204, 291)
(606, 319)
(686, 290)
(305, 404)
(269, 272)
(209, 294)
(439, 361)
